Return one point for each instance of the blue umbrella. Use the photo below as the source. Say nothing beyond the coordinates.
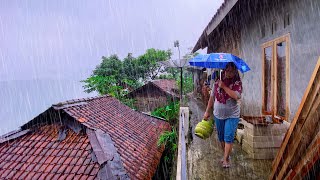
(219, 61)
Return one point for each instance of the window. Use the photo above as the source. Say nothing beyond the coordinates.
(286, 20)
(275, 78)
(267, 79)
(263, 31)
(273, 27)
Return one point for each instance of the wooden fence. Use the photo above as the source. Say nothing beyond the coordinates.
(300, 150)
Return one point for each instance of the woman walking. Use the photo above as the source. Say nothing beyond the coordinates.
(225, 98)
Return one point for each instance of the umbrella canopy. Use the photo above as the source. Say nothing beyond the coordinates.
(219, 61)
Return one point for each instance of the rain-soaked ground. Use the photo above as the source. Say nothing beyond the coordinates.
(204, 155)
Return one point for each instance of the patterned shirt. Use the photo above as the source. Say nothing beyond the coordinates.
(225, 106)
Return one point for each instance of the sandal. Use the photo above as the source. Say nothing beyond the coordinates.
(221, 160)
(227, 165)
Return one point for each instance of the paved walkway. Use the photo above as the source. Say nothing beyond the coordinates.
(204, 155)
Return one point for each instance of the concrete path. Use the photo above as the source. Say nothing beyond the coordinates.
(204, 155)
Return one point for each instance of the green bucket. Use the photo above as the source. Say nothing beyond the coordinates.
(204, 129)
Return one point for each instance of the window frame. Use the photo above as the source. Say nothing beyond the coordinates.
(273, 44)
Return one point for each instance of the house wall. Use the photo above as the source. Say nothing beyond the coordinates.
(196, 81)
(200, 88)
(304, 50)
(150, 99)
(227, 40)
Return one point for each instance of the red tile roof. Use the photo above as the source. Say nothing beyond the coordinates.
(133, 134)
(167, 86)
(38, 155)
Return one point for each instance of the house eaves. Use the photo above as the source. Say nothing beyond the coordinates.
(221, 13)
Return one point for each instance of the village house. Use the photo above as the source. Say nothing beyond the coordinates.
(92, 138)
(154, 94)
(279, 40)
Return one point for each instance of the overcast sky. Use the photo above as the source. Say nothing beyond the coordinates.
(59, 39)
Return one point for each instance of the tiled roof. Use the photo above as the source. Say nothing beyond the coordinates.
(38, 155)
(133, 136)
(166, 85)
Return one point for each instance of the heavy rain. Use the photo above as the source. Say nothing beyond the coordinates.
(182, 89)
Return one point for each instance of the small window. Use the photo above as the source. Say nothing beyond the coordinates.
(273, 27)
(263, 31)
(286, 20)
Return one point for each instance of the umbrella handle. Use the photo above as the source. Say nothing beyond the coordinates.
(220, 80)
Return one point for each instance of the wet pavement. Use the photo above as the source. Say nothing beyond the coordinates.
(204, 155)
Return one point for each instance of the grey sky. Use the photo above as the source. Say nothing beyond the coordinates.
(47, 39)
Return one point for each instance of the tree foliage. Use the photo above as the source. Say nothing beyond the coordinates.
(148, 62)
(174, 73)
(169, 112)
(114, 76)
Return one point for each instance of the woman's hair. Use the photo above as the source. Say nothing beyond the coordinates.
(237, 75)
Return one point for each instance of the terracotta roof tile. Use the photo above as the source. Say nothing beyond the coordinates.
(71, 176)
(37, 175)
(17, 174)
(167, 85)
(63, 176)
(50, 176)
(133, 133)
(90, 177)
(89, 168)
(12, 173)
(164, 85)
(39, 153)
(28, 164)
(43, 175)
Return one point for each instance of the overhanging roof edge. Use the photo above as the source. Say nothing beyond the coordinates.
(220, 15)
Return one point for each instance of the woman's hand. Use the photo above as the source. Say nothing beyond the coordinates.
(229, 91)
(206, 115)
(221, 84)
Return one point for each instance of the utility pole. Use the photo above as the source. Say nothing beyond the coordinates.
(176, 44)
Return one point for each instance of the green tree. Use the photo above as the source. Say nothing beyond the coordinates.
(148, 63)
(187, 82)
(174, 73)
(100, 84)
(129, 66)
(113, 75)
(111, 66)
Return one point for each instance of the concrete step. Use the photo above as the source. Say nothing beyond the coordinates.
(263, 139)
(269, 130)
(259, 153)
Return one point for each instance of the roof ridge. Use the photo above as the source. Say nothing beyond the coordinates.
(147, 114)
(160, 87)
(13, 135)
(159, 80)
(76, 101)
(170, 92)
